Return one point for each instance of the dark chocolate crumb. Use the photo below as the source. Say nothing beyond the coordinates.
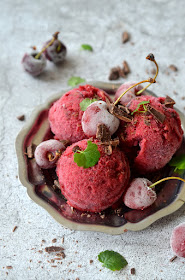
(173, 68)
(91, 261)
(75, 149)
(120, 112)
(9, 267)
(54, 266)
(114, 73)
(133, 271)
(14, 229)
(157, 115)
(169, 102)
(40, 251)
(126, 68)
(54, 240)
(53, 249)
(172, 259)
(43, 241)
(103, 133)
(21, 117)
(125, 37)
(52, 260)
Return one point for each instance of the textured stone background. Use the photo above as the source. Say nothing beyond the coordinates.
(155, 26)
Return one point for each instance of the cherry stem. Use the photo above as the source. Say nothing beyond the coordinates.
(150, 80)
(151, 58)
(52, 157)
(55, 37)
(165, 179)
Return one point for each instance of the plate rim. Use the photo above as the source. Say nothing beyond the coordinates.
(51, 210)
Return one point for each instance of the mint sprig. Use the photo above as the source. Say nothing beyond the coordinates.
(86, 102)
(89, 157)
(112, 260)
(141, 104)
(179, 163)
(74, 81)
(86, 47)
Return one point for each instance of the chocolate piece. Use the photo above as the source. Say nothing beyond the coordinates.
(103, 133)
(75, 149)
(14, 229)
(133, 271)
(172, 259)
(157, 115)
(169, 102)
(126, 68)
(53, 249)
(120, 113)
(114, 142)
(114, 73)
(21, 117)
(9, 267)
(91, 261)
(30, 151)
(124, 108)
(173, 68)
(61, 255)
(54, 240)
(125, 37)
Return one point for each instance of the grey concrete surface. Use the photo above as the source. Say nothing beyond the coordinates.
(155, 26)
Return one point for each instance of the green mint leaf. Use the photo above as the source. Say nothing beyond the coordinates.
(112, 260)
(179, 163)
(74, 81)
(89, 157)
(140, 104)
(86, 102)
(86, 47)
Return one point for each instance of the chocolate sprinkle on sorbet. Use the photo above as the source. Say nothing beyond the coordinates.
(53, 249)
(121, 112)
(157, 115)
(169, 102)
(103, 133)
(125, 37)
(75, 149)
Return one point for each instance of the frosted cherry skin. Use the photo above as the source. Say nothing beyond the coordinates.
(177, 240)
(128, 96)
(42, 151)
(56, 52)
(97, 113)
(138, 195)
(32, 65)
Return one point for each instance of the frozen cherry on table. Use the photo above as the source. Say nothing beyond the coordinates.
(48, 152)
(33, 65)
(177, 240)
(139, 195)
(57, 51)
(97, 113)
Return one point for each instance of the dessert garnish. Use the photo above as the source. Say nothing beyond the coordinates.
(157, 114)
(140, 105)
(121, 112)
(179, 163)
(103, 133)
(112, 260)
(117, 72)
(177, 240)
(21, 117)
(86, 102)
(89, 157)
(86, 47)
(169, 102)
(74, 81)
(52, 249)
(125, 37)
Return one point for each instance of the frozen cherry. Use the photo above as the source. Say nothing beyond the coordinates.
(177, 240)
(132, 93)
(34, 65)
(139, 195)
(48, 152)
(97, 113)
(56, 52)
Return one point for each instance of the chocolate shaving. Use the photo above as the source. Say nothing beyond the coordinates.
(173, 68)
(120, 113)
(103, 133)
(53, 249)
(126, 68)
(75, 149)
(157, 115)
(172, 259)
(9, 267)
(30, 151)
(114, 73)
(14, 229)
(114, 142)
(169, 102)
(21, 117)
(124, 108)
(125, 37)
(108, 150)
(61, 255)
(133, 271)
(54, 240)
